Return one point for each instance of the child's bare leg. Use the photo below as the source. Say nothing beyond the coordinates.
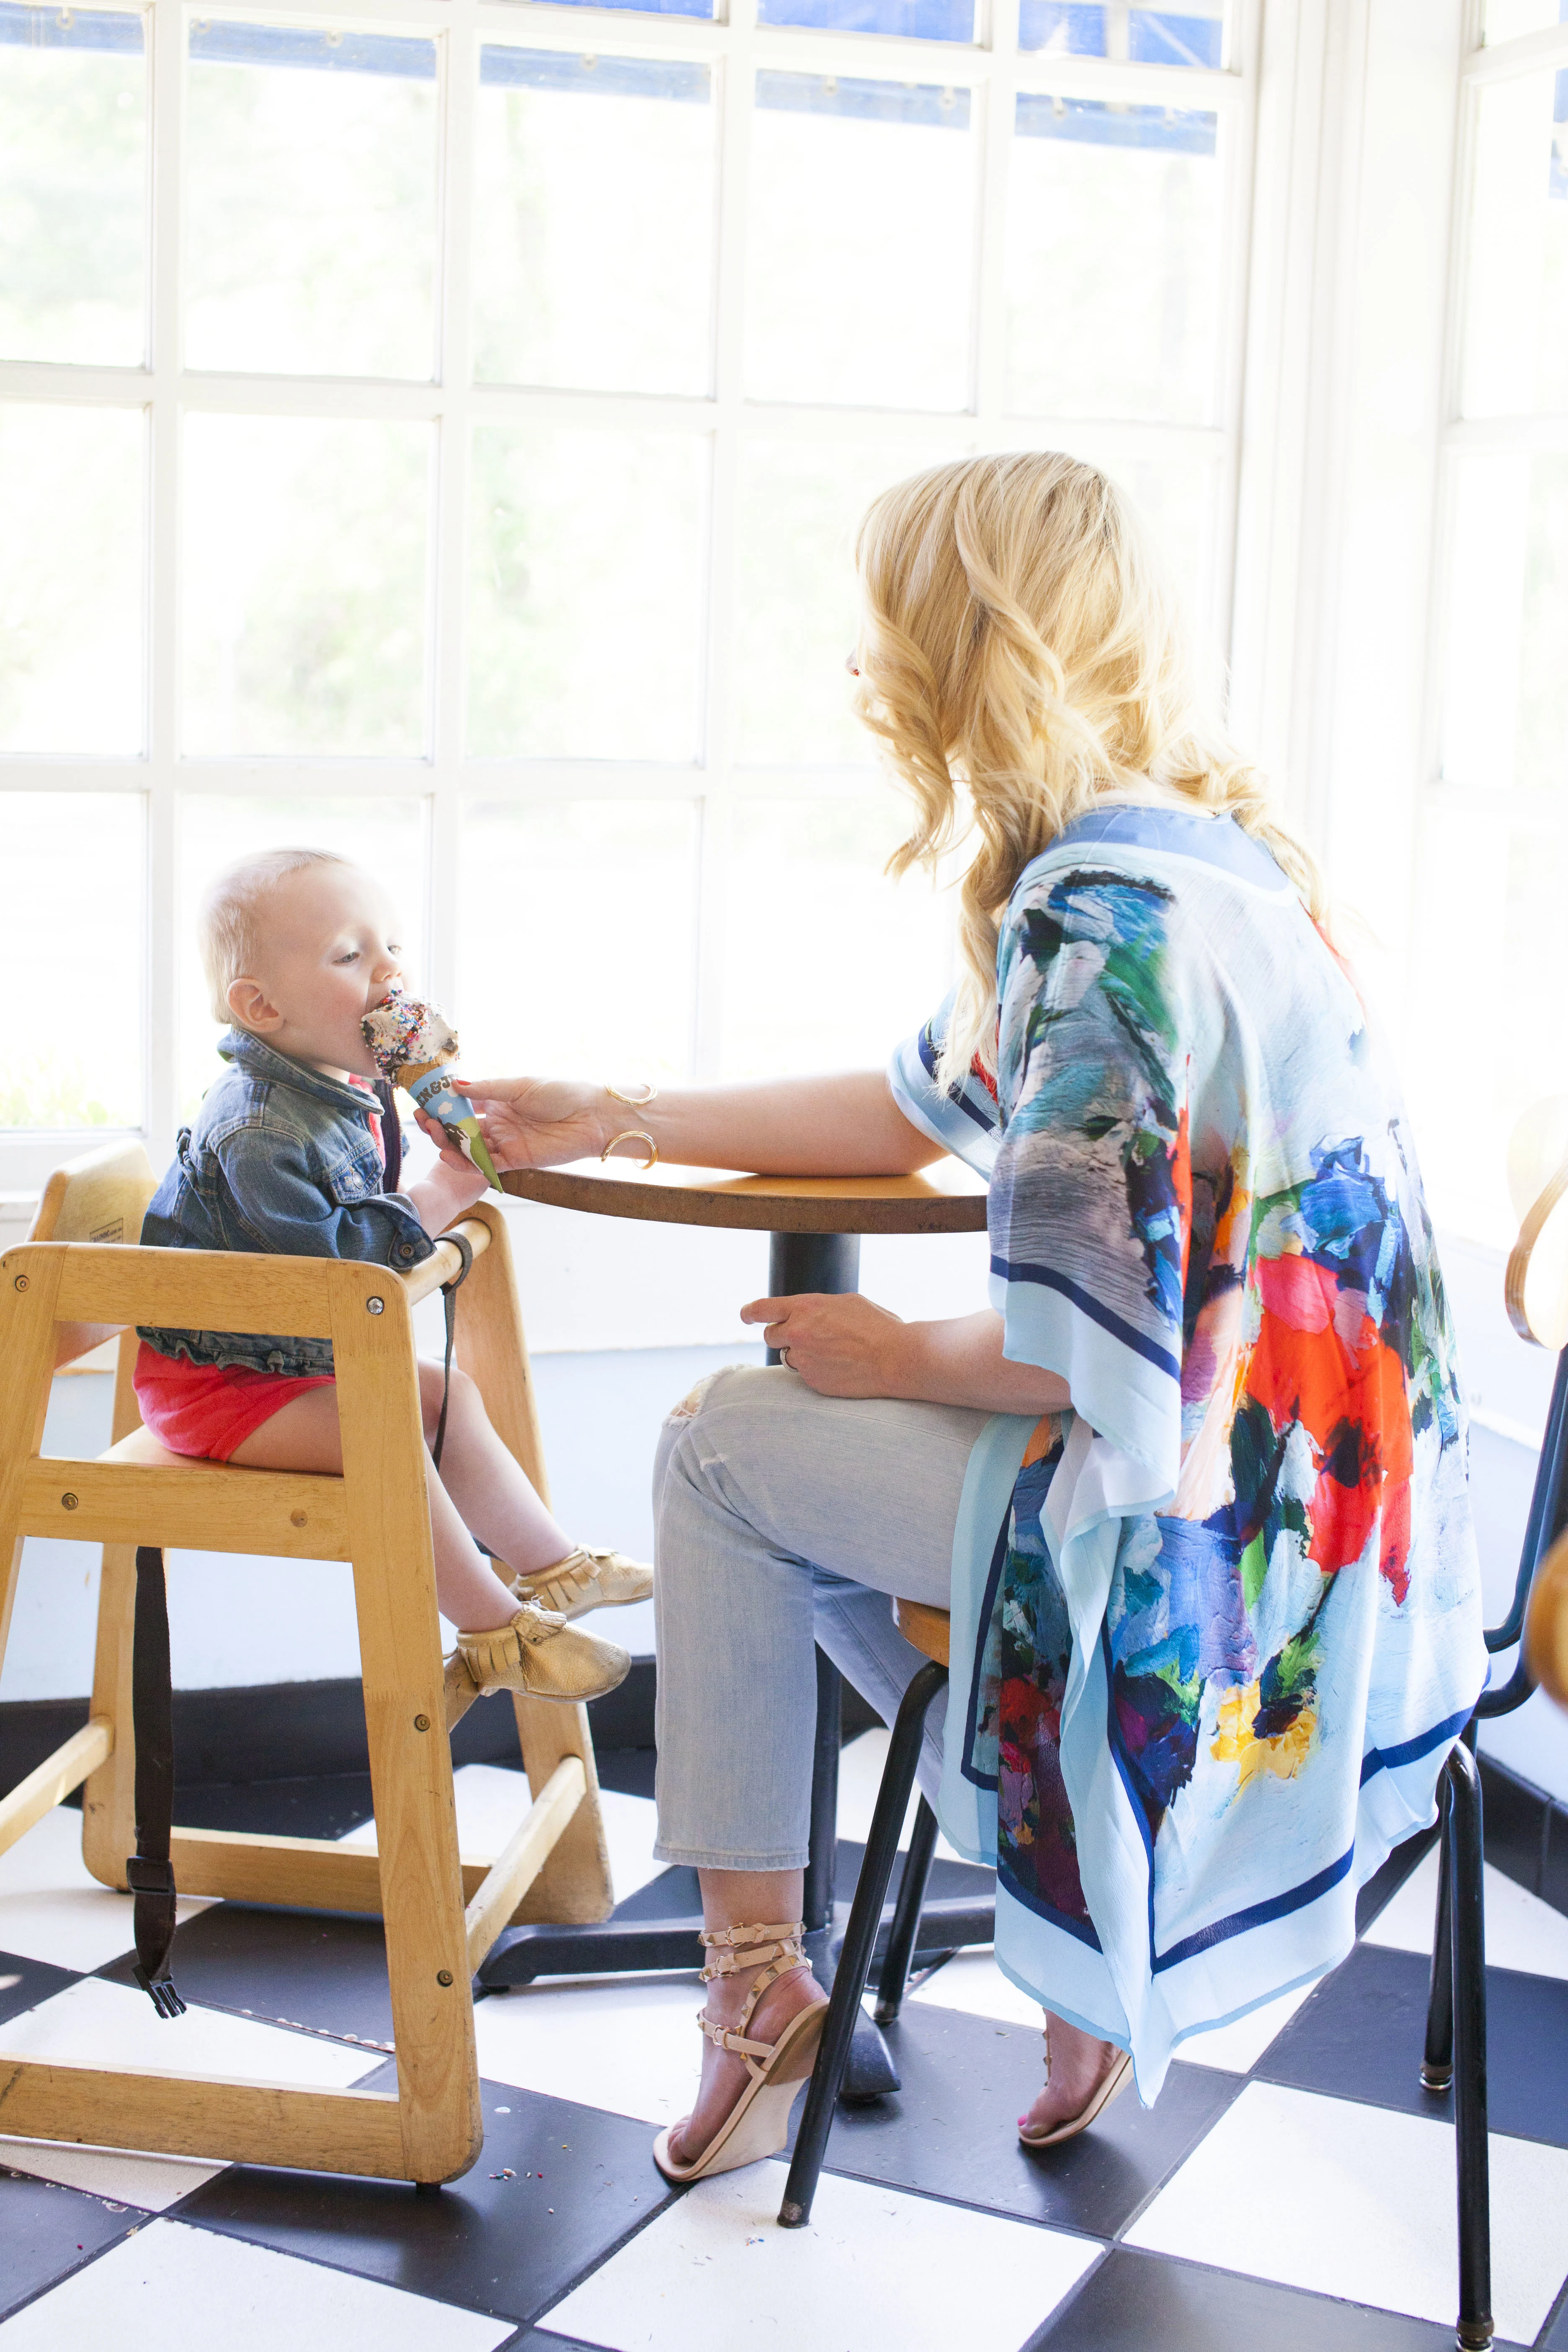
(303, 1435)
(488, 1487)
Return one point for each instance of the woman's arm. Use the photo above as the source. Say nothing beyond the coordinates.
(840, 1126)
(847, 1347)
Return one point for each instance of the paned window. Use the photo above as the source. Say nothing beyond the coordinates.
(444, 442)
(1493, 871)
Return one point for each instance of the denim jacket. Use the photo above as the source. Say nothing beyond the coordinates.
(282, 1160)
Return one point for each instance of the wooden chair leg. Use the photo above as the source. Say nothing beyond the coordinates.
(575, 1888)
(410, 1760)
(108, 1798)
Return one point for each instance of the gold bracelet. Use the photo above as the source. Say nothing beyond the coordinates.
(636, 1102)
(634, 1135)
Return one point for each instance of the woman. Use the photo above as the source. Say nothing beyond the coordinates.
(1194, 1484)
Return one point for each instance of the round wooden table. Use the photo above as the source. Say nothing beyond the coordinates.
(814, 1222)
(815, 1225)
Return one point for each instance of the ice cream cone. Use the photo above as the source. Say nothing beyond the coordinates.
(395, 1031)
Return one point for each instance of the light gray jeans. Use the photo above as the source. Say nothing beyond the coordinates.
(784, 1520)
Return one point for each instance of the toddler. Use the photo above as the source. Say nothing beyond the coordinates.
(295, 1151)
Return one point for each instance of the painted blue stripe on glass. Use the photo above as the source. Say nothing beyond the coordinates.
(216, 43)
(1258, 1914)
(868, 101)
(1113, 125)
(647, 7)
(70, 28)
(1410, 1751)
(590, 76)
(914, 20)
(1162, 36)
(1048, 1278)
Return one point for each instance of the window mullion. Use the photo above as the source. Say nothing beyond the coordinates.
(460, 67)
(738, 85)
(998, 97)
(167, 35)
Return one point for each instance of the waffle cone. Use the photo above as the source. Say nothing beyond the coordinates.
(409, 1073)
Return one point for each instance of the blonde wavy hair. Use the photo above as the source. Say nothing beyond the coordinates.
(1023, 654)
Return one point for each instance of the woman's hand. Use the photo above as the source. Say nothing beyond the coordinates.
(841, 1345)
(846, 1347)
(535, 1122)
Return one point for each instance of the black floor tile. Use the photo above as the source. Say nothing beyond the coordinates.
(47, 2231)
(949, 2130)
(24, 1983)
(1146, 2302)
(1360, 2036)
(1386, 1883)
(327, 1807)
(675, 1894)
(538, 2339)
(1555, 2338)
(490, 2242)
(325, 1969)
(629, 1769)
(1516, 1826)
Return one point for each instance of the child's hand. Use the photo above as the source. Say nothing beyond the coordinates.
(453, 1185)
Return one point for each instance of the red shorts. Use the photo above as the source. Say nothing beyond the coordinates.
(205, 1410)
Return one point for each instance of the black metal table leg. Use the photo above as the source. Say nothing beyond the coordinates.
(1437, 2057)
(859, 1941)
(1475, 2322)
(906, 1915)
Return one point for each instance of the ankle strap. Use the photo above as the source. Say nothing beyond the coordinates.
(738, 1939)
(735, 1948)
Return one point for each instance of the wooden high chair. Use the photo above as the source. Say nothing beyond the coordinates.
(76, 1282)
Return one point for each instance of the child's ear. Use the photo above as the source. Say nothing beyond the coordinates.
(248, 1002)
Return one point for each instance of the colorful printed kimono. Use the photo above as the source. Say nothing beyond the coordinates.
(1216, 1628)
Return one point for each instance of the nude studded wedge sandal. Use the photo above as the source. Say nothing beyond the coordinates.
(758, 2122)
(1110, 2085)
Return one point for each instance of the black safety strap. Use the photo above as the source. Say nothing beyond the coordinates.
(391, 1137)
(148, 1873)
(449, 1300)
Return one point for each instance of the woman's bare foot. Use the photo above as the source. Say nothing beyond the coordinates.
(1079, 2063)
(724, 2071)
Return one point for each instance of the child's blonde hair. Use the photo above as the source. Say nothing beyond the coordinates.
(1021, 642)
(227, 925)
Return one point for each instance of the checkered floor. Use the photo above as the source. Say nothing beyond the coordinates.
(1293, 2185)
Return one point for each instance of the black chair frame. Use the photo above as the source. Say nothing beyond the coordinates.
(1455, 2046)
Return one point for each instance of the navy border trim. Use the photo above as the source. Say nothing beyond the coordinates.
(1410, 1751)
(1048, 1278)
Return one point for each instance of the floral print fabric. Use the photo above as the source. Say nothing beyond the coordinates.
(1222, 1622)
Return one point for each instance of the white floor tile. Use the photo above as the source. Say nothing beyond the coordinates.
(154, 2182)
(972, 1981)
(875, 2266)
(1237, 2048)
(859, 1778)
(491, 1801)
(172, 2288)
(1522, 1932)
(51, 1906)
(625, 2043)
(1358, 2202)
(99, 2024)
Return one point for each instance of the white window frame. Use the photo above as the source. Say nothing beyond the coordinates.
(1525, 433)
(995, 71)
